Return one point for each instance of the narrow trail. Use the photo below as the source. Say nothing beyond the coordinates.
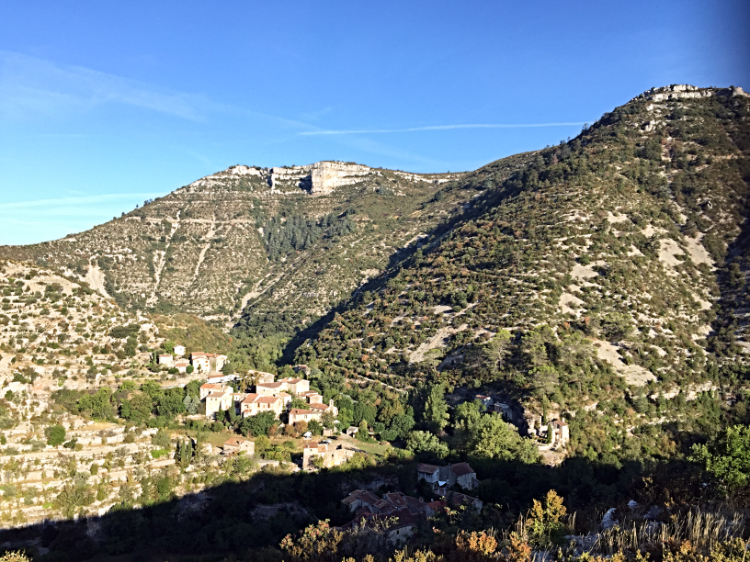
(256, 292)
(202, 256)
(95, 279)
(160, 260)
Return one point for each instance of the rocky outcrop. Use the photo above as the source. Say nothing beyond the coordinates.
(686, 91)
(320, 178)
(677, 91)
(327, 176)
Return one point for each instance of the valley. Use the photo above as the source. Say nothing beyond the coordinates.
(572, 321)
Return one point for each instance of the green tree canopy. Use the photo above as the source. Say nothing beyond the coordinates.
(426, 444)
(436, 410)
(55, 435)
(494, 438)
(728, 458)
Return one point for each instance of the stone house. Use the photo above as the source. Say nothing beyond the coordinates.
(295, 385)
(371, 511)
(208, 388)
(297, 415)
(360, 498)
(207, 362)
(362, 502)
(444, 477)
(166, 360)
(181, 365)
(323, 408)
(200, 362)
(463, 475)
(235, 445)
(179, 350)
(430, 473)
(270, 388)
(457, 499)
(331, 456)
(216, 361)
(254, 404)
(237, 398)
(311, 397)
(219, 401)
(314, 412)
(261, 376)
(504, 410)
(560, 433)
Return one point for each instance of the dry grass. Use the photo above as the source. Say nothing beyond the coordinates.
(703, 529)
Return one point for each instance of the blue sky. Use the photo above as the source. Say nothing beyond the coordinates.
(104, 104)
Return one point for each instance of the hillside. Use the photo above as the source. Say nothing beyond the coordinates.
(594, 294)
(616, 260)
(301, 237)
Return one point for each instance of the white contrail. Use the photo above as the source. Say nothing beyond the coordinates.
(441, 128)
(87, 199)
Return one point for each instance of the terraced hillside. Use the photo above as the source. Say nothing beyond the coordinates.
(299, 238)
(599, 265)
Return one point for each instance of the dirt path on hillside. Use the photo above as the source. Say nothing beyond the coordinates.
(438, 340)
(634, 375)
(160, 260)
(96, 280)
(202, 256)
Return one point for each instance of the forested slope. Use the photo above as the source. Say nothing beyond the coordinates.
(608, 270)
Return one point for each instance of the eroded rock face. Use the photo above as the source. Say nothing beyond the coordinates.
(320, 178)
(686, 91)
(327, 176)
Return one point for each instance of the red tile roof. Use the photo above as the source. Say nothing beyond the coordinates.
(461, 469)
(427, 468)
(234, 442)
(437, 505)
(269, 384)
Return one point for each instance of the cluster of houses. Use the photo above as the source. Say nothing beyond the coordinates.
(269, 396)
(200, 361)
(558, 430)
(370, 510)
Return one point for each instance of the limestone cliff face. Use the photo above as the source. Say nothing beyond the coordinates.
(319, 178)
(327, 176)
(686, 91)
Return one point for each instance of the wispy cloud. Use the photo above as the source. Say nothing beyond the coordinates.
(315, 115)
(33, 85)
(83, 200)
(439, 128)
